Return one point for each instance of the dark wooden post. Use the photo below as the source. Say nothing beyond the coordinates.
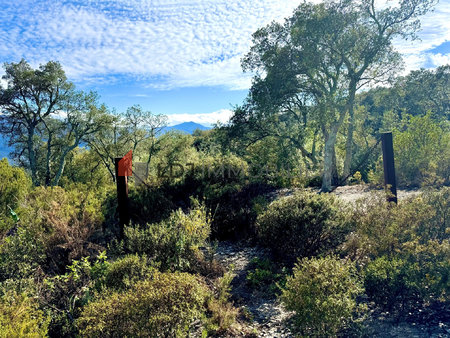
(122, 198)
(388, 164)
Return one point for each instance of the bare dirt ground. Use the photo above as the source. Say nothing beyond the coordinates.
(351, 193)
(268, 318)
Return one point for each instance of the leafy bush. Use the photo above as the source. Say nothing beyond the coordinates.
(162, 306)
(265, 276)
(173, 242)
(221, 313)
(303, 225)
(422, 152)
(64, 220)
(20, 317)
(145, 200)
(322, 292)
(63, 295)
(14, 185)
(416, 275)
(21, 254)
(404, 249)
(382, 228)
(126, 271)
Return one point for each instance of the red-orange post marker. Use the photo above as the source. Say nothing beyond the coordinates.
(123, 166)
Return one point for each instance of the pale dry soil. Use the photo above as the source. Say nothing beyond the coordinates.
(265, 315)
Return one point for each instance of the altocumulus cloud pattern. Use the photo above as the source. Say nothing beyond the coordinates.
(167, 43)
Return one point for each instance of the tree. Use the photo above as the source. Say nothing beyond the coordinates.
(135, 130)
(31, 96)
(143, 127)
(309, 69)
(45, 118)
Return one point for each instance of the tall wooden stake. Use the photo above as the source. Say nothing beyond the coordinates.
(389, 167)
(122, 198)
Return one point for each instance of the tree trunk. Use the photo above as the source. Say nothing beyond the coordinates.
(32, 156)
(334, 170)
(47, 160)
(62, 163)
(330, 141)
(350, 128)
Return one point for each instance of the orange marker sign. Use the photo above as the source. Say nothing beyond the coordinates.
(125, 164)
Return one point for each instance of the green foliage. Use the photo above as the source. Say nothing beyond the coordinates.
(173, 242)
(20, 317)
(303, 225)
(221, 315)
(21, 254)
(145, 200)
(404, 249)
(162, 306)
(265, 277)
(64, 295)
(416, 275)
(124, 272)
(382, 229)
(422, 152)
(322, 292)
(84, 167)
(64, 220)
(14, 185)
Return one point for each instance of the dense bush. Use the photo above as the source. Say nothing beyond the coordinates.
(126, 271)
(14, 185)
(404, 250)
(20, 317)
(162, 306)
(64, 220)
(322, 292)
(62, 296)
(422, 152)
(382, 228)
(303, 225)
(417, 275)
(21, 254)
(173, 242)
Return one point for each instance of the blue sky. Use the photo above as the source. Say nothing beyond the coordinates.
(176, 57)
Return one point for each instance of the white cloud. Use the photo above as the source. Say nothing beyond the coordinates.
(207, 119)
(170, 43)
(165, 43)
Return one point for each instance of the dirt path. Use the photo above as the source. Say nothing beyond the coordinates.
(267, 316)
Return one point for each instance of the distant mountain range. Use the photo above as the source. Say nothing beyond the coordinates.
(185, 127)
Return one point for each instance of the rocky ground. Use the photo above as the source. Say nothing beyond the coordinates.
(266, 317)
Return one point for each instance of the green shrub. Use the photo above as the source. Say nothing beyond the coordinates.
(145, 200)
(404, 249)
(21, 254)
(173, 242)
(265, 276)
(382, 229)
(162, 306)
(422, 152)
(62, 296)
(416, 275)
(303, 225)
(221, 314)
(65, 221)
(14, 185)
(126, 271)
(322, 293)
(20, 317)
